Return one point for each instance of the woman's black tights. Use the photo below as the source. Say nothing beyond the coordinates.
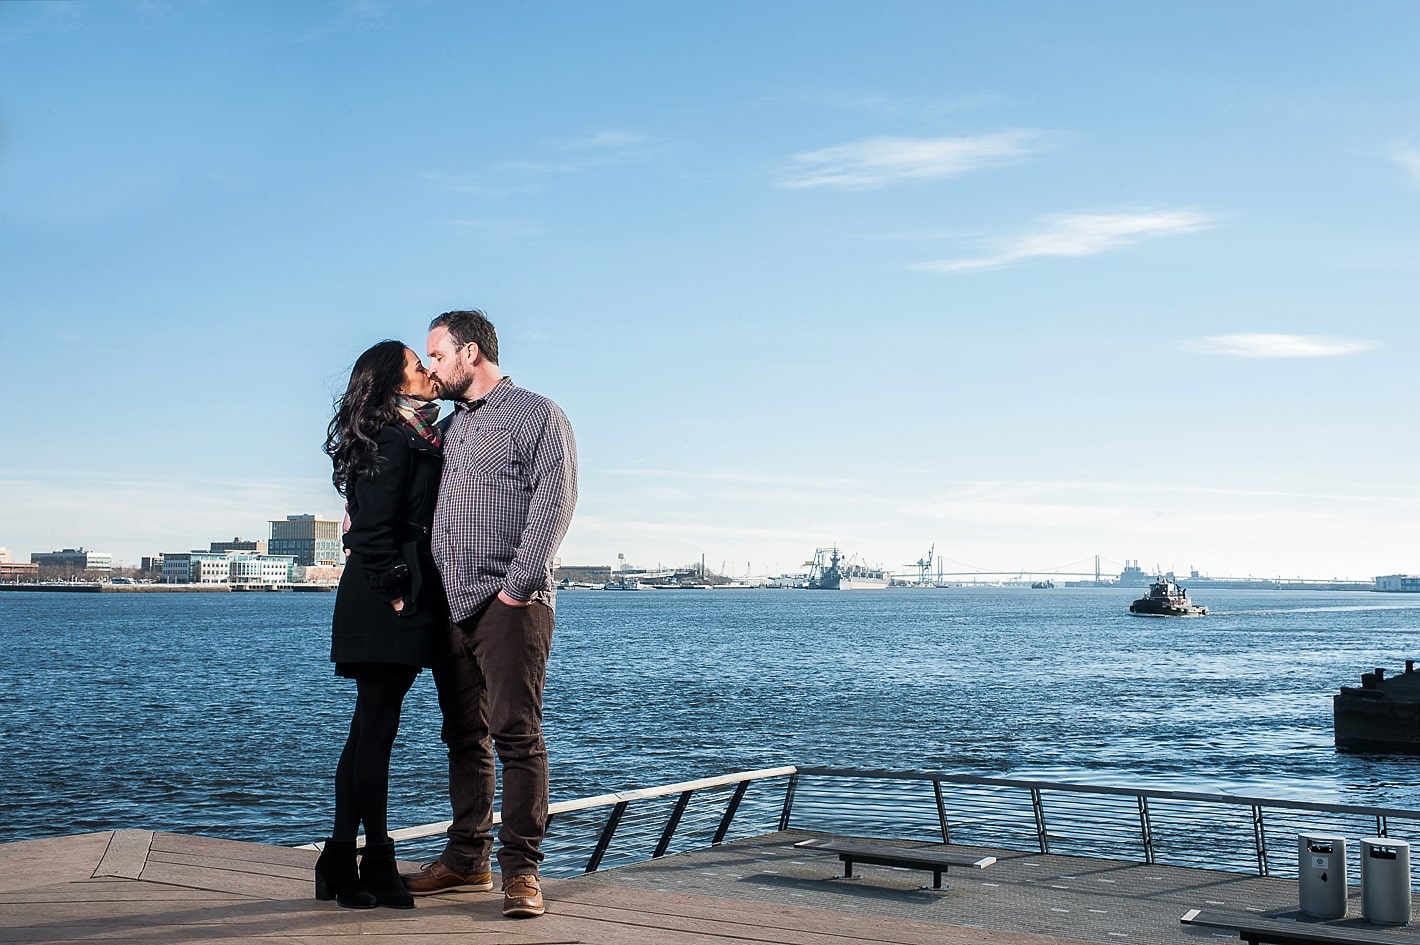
(363, 774)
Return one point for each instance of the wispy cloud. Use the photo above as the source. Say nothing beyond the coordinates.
(594, 150)
(737, 478)
(1409, 159)
(916, 109)
(1080, 234)
(610, 139)
(878, 162)
(1262, 345)
(510, 229)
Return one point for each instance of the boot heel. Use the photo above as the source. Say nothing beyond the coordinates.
(338, 878)
(380, 874)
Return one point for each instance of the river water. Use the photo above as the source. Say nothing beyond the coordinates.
(219, 714)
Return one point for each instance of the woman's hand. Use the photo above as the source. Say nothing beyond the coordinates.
(398, 605)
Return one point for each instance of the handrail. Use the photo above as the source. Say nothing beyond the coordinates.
(1078, 788)
(621, 798)
(1183, 828)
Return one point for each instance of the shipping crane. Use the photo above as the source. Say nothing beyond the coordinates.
(924, 566)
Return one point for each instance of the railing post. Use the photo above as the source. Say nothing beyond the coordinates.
(1260, 839)
(725, 821)
(1381, 825)
(788, 801)
(1146, 828)
(1038, 805)
(942, 811)
(672, 824)
(605, 839)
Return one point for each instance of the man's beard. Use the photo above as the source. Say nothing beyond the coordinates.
(453, 388)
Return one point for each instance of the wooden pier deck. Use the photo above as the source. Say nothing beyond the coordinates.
(134, 886)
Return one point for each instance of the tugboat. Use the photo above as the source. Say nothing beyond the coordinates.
(1166, 599)
(1382, 715)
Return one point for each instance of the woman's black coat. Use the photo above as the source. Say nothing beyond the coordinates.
(391, 514)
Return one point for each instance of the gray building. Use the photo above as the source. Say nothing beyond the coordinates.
(311, 541)
(240, 544)
(74, 559)
(1399, 583)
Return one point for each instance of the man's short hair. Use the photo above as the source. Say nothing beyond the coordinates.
(470, 327)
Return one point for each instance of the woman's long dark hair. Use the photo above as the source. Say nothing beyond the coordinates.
(367, 405)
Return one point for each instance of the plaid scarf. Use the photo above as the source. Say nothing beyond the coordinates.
(419, 416)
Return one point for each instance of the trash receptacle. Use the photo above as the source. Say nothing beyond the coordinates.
(1385, 881)
(1321, 875)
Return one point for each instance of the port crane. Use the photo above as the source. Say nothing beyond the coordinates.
(924, 566)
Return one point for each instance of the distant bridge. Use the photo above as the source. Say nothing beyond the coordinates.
(1022, 575)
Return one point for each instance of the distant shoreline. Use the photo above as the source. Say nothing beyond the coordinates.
(98, 588)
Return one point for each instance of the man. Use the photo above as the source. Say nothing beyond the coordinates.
(505, 501)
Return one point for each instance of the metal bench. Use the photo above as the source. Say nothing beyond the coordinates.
(935, 857)
(1256, 929)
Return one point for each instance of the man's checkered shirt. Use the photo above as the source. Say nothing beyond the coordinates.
(506, 498)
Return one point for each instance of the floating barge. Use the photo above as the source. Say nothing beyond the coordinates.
(1381, 715)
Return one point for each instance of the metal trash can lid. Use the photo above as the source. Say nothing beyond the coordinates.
(1386, 842)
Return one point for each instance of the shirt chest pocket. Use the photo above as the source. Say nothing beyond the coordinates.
(489, 448)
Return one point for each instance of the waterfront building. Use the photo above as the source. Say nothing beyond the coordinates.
(5, 556)
(311, 541)
(228, 567)
(196, 567)
(240, 544)
(18, 572)
(151, 568)
(73, 560)
(1399, 583)
(265, 570)
(318, 574)
(1134, 576)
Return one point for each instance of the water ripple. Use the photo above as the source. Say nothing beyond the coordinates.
(219, 714)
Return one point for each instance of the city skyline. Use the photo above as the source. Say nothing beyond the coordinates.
(1028, 283)
(931, 564)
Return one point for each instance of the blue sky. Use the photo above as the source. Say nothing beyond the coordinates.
(1030, 282)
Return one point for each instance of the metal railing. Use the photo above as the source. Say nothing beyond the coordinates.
(627, 827)
(1177, 828)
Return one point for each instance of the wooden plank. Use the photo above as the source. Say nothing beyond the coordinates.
(126, 854)
(298, 871)
(303, 921)
(233, 849)
(762, 922)
(26, 864)
(107, 895)
(240, 881)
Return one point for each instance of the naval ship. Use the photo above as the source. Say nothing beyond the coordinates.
(833, 572)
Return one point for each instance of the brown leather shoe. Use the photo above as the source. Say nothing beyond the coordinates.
(437, 878)
(522, 897)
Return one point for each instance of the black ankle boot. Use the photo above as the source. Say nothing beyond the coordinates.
(337, 878)
(381, 876)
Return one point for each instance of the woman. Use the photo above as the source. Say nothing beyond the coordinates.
(387, 460)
